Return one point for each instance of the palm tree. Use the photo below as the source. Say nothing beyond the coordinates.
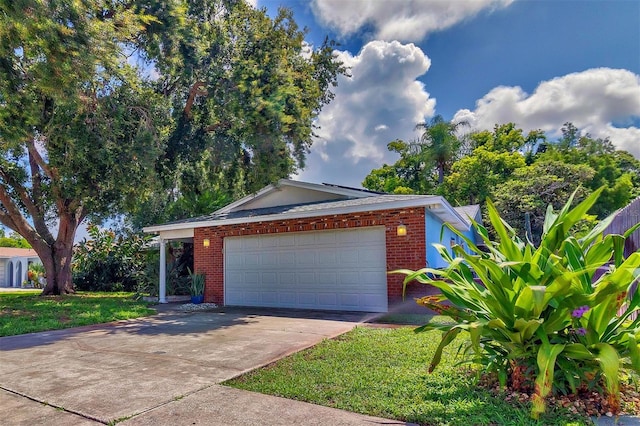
(439, 143)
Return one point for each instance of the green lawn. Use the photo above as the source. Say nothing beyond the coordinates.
(383, 372)
(22, 313)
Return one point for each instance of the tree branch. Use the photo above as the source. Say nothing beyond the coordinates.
(14, 219)
(197, 89)
(50, 172)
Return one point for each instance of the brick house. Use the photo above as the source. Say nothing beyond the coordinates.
(316, 246)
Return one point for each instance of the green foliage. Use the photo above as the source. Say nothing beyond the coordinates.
(13, 240)
(537, 314)
(409, 174)
(79, 126)
(532, 188)
(197, 283)
(245, 91)
(108, 262)
(617, 171)
(423, 163)
(474, 177)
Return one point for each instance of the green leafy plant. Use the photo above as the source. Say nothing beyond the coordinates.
(538, 315)
(36, 272)
(197, 283)
(107, 262)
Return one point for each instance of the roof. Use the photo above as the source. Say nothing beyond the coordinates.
(436, 204)
(288, 199)
(472, 211)
(9, 252)
(323, 192)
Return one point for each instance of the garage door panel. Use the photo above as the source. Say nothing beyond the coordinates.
(233, 244)
(269, 278)
(308, 299)
(327, 258)
(305, 239)
(348, 256)
(268, 242)
(269, 298)
(328, 300)
(325, 238)
(251, 259)
(269, 259)
(286, 279)
(335, 270)
(306, 280)
(287, 298)
(327, 279)
(286, 258)
(251, 243)
(305, 258)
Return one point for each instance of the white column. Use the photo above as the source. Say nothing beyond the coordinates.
(163, 272)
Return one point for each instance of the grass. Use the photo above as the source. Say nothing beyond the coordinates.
(28, 312)
(383, 372)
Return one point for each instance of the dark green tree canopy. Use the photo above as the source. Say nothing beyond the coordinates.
(224, 97)
(522, 173)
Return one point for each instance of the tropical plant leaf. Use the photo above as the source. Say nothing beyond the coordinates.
(547, 355)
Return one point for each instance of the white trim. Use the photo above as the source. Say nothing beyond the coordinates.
(176, 234)
(303, 185)
(428, 200)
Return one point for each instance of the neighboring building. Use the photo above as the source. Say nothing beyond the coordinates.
(312, 246)
(14, 264)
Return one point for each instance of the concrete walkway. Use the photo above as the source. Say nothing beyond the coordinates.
(164, 369)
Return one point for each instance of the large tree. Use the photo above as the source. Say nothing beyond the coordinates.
(439, 143)
(83, 133)
(245, 91)
(423, 162)
(76, 127)
(495, 155)
(532, 188)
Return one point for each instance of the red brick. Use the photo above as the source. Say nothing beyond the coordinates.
(408, 252)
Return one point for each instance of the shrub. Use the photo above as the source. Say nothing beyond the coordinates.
(537, 314)
(108, 262)
(197, 283)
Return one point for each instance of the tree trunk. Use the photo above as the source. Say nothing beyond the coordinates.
(57, 259)
(440, 173)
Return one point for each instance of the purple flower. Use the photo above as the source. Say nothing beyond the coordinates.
(579, 312)
(581, 331)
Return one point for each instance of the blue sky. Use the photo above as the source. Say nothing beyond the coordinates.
(537, 63)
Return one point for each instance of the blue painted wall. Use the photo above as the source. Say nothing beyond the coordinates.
(433, 228)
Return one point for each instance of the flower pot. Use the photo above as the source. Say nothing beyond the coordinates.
(196, 300)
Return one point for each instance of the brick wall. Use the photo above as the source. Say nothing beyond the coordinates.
(402, 252)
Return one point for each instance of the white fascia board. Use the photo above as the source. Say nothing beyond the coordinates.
(288, 182)
(176, 234)
(460, 223)
(363, 208)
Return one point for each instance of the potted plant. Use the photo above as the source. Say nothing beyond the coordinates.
(197, 287)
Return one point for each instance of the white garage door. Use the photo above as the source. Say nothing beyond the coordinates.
(332, 270)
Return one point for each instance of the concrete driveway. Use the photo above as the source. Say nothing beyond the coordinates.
(164, 369)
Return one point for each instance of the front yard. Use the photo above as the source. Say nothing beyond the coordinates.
(28, 312)
(383, 372)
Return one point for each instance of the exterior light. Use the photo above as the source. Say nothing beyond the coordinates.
(401, 230)
(206, 242)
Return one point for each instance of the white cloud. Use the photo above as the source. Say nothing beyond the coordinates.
(253, 3)
(406, 20)
(380, 101)
(592, 100)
